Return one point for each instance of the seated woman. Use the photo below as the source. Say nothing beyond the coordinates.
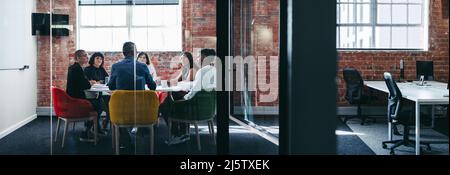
(143, 58)
(96, 72)
(187, 68)
(186, 74)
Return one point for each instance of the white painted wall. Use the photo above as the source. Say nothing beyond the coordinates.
(18, 89)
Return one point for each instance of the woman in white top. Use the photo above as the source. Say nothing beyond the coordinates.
(143, 58)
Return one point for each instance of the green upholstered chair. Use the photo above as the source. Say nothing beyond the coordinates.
(200, 108)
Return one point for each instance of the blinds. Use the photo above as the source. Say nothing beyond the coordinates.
(128, 2)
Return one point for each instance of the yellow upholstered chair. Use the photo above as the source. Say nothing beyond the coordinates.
(133, 109)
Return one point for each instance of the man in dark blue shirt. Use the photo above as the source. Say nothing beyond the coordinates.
(130, 74)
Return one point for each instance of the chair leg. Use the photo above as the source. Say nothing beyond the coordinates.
(57, 129)
(113, 135)
(152, 139)
(169, 126)
(65, 131)
(209, 127)
(198, 137)
(116, 130)
(187, 128)
(95, 130)
(212, 131)
(73, 127)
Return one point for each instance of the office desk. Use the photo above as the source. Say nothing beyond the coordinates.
(432, 93)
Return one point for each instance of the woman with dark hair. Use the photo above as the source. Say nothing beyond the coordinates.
(187, 68)
(143, 58)
(95, 70)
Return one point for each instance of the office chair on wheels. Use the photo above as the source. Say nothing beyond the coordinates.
(354, 95)
(398, 117)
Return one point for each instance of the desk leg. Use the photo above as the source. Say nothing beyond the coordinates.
(432, 116)
(417, 128)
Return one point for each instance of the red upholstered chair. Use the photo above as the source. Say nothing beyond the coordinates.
(71, 109)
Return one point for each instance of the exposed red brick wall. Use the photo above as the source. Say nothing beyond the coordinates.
(199, 19)
(255, 18)
(63, 48)
(372, 64)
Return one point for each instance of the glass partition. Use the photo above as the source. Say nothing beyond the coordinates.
(255, 60)
(142, 63)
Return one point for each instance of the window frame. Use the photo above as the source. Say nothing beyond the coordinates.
(373, 24)
(129, 25)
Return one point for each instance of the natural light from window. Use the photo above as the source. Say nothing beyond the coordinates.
(382, 24)
(152, 27)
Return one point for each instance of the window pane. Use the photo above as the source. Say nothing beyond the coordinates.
(119, 15)
(399, 37)
(338, 37)
(87, 13)
(399, 1)
(415, 37)
(384, 1)
(383, 37)
(364, 37)
(152, 15)
(140, 37)
(347, 13)
(415, 14)
(172, 39)
(95, 39)
(140, 17)
(415, 1)
(119, 36)
(338, 13)
(363, 12)
(103, 39)
(171, 15)
(384, 14)
(156, 40)
(347, 36)
(399, 14)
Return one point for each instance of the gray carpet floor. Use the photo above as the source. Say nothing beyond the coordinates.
(373, 134)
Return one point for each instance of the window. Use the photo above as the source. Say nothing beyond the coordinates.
(154, 25)
(382, 24)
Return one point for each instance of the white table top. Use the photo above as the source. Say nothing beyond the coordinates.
(432, 92)
(180, 87)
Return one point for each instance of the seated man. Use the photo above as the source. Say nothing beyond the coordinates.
(130, 74)
(123, 74)
(205, 79)
(77, 83)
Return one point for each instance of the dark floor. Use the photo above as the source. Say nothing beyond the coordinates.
(350, 144)
(34, 139)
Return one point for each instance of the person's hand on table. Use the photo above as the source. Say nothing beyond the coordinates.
(93, 82)
(158, 81)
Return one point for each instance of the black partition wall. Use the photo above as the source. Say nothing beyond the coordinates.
(307, 75)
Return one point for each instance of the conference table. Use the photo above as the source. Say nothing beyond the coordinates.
(429, 93)
(181, 86)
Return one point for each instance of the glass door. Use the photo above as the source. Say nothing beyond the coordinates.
(255, 60)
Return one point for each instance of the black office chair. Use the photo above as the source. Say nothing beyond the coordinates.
(397, 116)
(354, 93)
(426, 69)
